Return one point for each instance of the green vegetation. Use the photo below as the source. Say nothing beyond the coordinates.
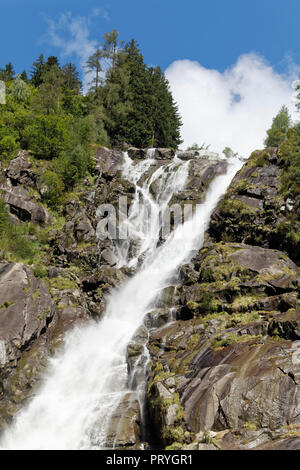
(62, 283)
(278, 132)
(232, 338)
(286, 136)
(250, 426)
(289, 153)
(50, 116)
(231, 320)
(6, 304)
(14, 242)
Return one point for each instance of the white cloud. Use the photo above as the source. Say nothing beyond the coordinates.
(71, 35)
(233, 108)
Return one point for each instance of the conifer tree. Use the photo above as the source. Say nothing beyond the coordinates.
(50, 93)
(111, 46)
(7, 74)
(23, 75)
(278, 131)
(138, 104)
(71, 77)
(37, 70)
(165, 116)
(94, 66)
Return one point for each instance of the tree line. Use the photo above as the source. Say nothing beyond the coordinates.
(50, 114)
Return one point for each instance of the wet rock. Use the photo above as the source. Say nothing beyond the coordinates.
(160, 317)
(200, 175)
(124, 428)
(187, 154)
(108, 161)
(163, 153)
(136, 154)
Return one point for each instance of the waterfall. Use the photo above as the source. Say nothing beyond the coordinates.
(87, 377)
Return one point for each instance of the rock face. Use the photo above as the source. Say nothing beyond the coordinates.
(20, 170)
(107, 160)
(255, 211)
(26, 309)
(124, 431)
(223, 343)
(27, 314)
(34, 317)
(23, 205)
(233, 363)
(201, 173)
(225, 374)
(14, 184)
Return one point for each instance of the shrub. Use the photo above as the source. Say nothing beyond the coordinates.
(290, 159)
(8, 147)
(13, 239)
(52, 188)
(47, 136)
(72, 165)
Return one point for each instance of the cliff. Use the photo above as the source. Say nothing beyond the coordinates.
(224, 372)
(225, 375)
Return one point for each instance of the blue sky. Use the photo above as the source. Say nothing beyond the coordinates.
(210, 50)
(213, 32)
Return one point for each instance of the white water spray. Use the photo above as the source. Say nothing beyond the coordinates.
(87, 378)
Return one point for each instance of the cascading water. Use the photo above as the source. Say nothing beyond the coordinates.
(88, 377)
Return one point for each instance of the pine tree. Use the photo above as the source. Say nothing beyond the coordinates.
(50, 93)
(93, 66)
(51, 61)
(278, 131)
(138, 104)
(24, 76)
(111, 46)
(165, 116)
(7, 74)
(37, 70)
(137, 129)
(71, 77)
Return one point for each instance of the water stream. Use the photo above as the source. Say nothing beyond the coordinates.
(87, 377)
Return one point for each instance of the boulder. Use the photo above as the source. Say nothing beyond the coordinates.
(20, 171)
(105, 276)
(23, 205)
(164, 153)
(108, 161)
(124, 430)
(187, 154)
(137, 154)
